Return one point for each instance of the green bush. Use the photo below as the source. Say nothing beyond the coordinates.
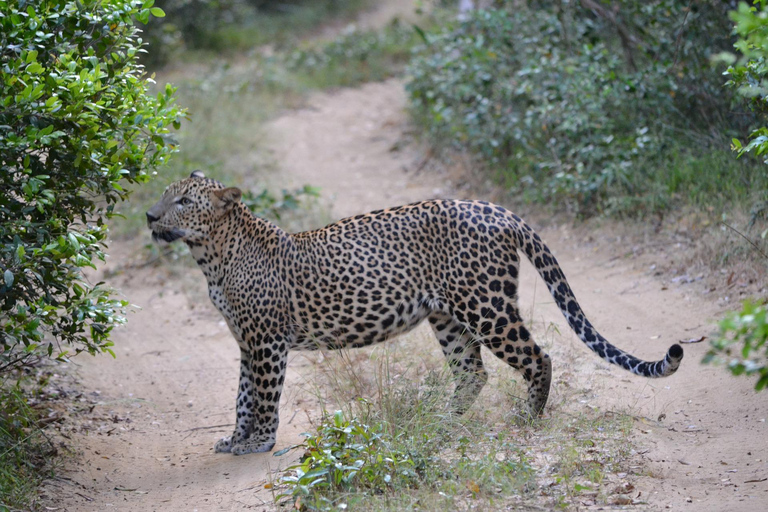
(579, 105)
(742, 343)
(76, 127)
(748, 75)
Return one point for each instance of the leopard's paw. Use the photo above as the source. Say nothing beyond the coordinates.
(252, 446)
(223, 445)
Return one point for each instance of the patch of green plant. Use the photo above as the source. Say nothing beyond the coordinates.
(26, 456)
(742, 343)
(352, 58)
(583, 107)
(266, 204)
(345, 456)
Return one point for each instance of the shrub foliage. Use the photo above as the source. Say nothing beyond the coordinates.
(743, 343)
(581, 101)
(748, 74)
(76, 126)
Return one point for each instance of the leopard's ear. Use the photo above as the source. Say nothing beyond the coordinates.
(197, 174)
(226, 198)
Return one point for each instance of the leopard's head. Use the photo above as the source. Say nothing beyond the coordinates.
(190, 209)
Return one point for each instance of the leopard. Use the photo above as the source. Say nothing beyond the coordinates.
(366, 279)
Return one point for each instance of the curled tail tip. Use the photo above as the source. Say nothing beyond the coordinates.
(675, 352)
(672, 361)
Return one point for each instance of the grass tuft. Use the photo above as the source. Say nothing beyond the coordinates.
(26, 456)
(353, 58)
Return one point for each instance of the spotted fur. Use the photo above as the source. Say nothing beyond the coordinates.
(366, 279)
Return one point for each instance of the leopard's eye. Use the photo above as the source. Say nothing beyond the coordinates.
(185, 201)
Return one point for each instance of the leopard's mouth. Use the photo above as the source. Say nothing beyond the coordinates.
(167, 236)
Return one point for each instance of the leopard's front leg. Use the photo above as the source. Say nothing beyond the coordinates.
(261, 383)
(243, 407)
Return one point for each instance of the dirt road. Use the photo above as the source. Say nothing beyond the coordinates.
(153, 414)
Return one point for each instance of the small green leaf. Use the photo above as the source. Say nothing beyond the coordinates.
(421, 33)
(283, 451)
(8, 275)
(157, 12)
(315, 473)
(35, 68)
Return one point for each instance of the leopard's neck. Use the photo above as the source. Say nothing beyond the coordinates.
(239, 237)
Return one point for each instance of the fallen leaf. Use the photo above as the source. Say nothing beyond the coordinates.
(472, 486)
(694, 340)
(267, 486)
(124, 489)
(684, 463)
(755, 481)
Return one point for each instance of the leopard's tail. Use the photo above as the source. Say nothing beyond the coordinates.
(542, 258)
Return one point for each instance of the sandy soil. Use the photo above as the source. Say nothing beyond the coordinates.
(149, 418)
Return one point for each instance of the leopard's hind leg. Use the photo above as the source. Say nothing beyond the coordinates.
(510, 341)
(463, 355)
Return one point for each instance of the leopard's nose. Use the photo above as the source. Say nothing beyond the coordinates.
(151, 218)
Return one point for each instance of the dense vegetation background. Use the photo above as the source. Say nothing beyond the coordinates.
(593, 107)
(603, 107)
